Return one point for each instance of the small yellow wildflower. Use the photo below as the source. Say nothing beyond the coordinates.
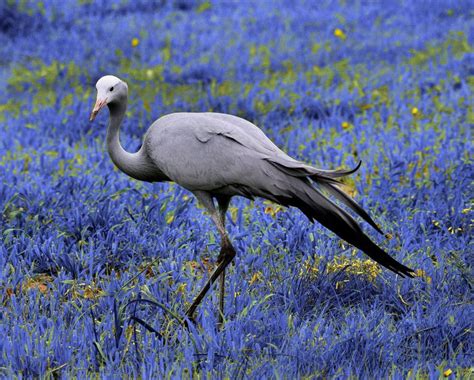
(204, 7)
(421, 273)
(367, 106)
(93, 292)
(354, 266)
(273, 210)
(453, 230)
(135, 42)
(345, 125)
(339, 33)
(193, 264)
(257, 276)
(448, 372)
(181, 288)
(309, 270)
(415, 111)
(466, 210)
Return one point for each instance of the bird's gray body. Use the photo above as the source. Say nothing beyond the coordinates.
(211, 152)
(217, 156)
(219, 153)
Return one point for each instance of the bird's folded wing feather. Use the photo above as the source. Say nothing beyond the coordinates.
(252, 137)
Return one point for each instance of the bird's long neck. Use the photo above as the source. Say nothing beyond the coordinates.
(136, 165)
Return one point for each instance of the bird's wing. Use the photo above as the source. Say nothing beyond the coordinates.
(249, 135)
(245, 132)
(253, 137)
(204, 151)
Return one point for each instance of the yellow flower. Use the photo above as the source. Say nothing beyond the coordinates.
(257, 276)
(354, 266)
(272, 209)
(448, 372)
(339, 33)
(415, 112)
(181, 288)
(309, 270)
(135, 42)
(421, 273)
(452, 230)
(345, 125)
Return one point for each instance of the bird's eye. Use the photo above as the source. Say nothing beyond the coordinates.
(111, 89)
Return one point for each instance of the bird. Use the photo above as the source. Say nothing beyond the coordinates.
(217, 156)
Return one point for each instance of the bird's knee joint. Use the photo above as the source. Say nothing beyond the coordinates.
(227, 251)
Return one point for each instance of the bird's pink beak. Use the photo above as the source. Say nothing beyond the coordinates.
(99, 104)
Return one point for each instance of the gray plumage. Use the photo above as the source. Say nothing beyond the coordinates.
(217, 156)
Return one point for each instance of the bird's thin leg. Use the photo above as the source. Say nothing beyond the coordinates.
(223, 202)
(220, 317)
(217, 272)
(227, 250)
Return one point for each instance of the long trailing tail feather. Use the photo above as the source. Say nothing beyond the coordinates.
(298, 169)
(292, 187)
(341, 196)
(328, 180)
(332, 174)
(342, 224)
(330, 185)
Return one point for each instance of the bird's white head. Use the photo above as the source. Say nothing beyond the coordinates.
(110, 90)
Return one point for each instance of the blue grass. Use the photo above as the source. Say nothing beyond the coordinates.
(96, 268)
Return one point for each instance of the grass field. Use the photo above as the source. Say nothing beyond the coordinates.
(95, 268)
